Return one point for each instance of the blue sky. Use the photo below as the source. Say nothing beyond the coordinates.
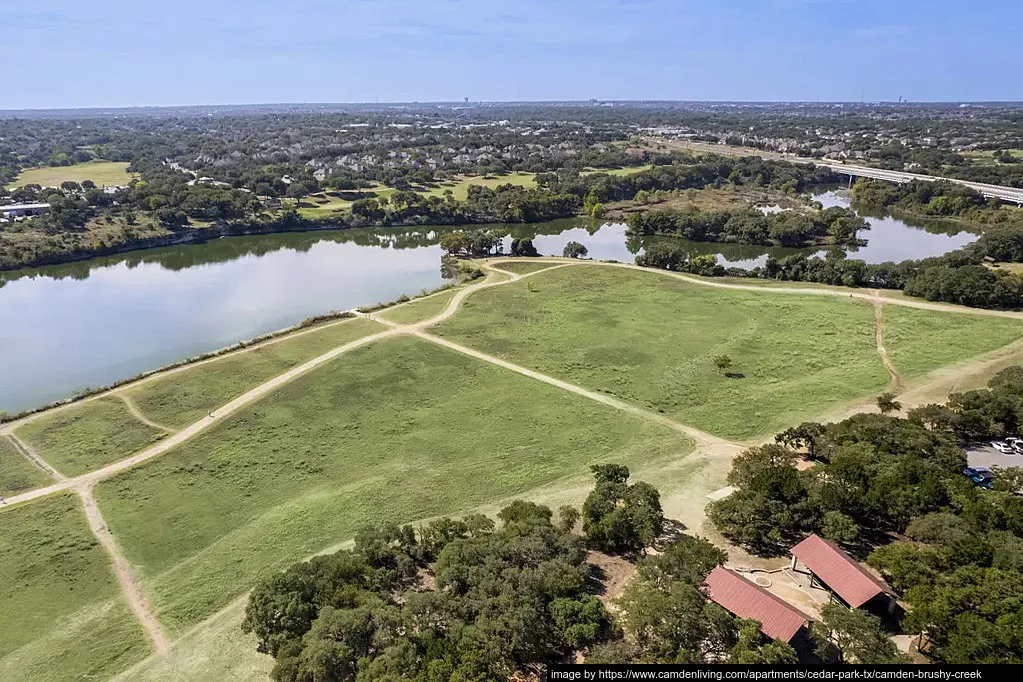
(67, 53)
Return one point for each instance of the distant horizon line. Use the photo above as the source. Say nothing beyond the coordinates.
(392, 103)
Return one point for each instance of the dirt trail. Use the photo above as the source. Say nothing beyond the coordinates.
(709, 447)
(188, 432)
(33, 457)
(897, 382)
(125, 573)
(158, 374)
(704, 439)
(138, 414)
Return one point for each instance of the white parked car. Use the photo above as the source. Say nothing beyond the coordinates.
(1003, 448)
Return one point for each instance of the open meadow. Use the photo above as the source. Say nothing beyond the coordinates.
(87, 436)
(180, 398)
(61, 613)
(404, 429)
(652, 340)
(103, 173)
(419, 309)
(524, 267)
(16, 472)
(395, 431)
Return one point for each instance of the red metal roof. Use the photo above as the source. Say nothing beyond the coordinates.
(839, 571)
(778, 619)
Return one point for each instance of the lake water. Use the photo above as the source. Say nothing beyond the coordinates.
(64, 328)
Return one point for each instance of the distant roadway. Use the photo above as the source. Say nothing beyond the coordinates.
(1009, 194)
(1012, 194)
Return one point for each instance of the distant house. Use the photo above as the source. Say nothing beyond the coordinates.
(837, 572)
(745, 599)
(22, 210)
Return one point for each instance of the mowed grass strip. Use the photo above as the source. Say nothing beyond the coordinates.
(80, 438)
(919, 341)
(420, 309)
(103, 173)
(183, 397)
(398, 430)
(17, 474)
(651, 340)
(61, 613)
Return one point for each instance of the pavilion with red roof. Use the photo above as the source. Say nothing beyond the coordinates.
(834, 570)
(745, 599)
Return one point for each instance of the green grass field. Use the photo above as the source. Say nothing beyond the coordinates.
(419, 309)
(17, 474)
(629, 170)
(523, 267)
(182, 398)
(103, 173)
(460, 189)
(395, 431)
(61, 614)
(83, 437)
(919, 341)
(651, 340)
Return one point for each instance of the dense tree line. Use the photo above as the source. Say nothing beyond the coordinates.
(834, 225)
(505, 599)
(940, 199)
(473, 600)
(957, 277)
(877, 478)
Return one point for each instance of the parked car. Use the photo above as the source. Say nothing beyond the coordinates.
(980, 476)
(1017, 448)
(1003, 448)
(1014, 440)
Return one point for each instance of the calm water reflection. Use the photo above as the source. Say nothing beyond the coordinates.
(63, 328)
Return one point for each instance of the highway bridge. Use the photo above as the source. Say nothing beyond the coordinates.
(1009, 194)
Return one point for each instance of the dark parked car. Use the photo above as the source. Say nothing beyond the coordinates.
(980, 476)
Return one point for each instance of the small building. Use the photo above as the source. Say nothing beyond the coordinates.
(745, 599)
(835, 571)
(22, 210)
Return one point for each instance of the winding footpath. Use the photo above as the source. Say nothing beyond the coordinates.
(707, 444)
(138, 414)
(897, 382)
(126, 578)
(30, 454)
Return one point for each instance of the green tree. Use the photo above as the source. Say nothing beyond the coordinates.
(568, 517)
(839, 527)
(886, 402)
(687, 560)
(575, 250)
(754, 648)
(856, 634)
(618, 517)
(723, 363)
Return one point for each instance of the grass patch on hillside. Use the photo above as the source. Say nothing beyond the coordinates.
(919, 341)
(618, 172)
(17, 474)
(61, 614)
(460, 189)
(523, 267)
(395, 431)
(103, 173)
(420, 309)
(651, 340)
(77, 439)
(184, 397)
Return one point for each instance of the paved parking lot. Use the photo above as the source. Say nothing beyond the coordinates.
(983, 455)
